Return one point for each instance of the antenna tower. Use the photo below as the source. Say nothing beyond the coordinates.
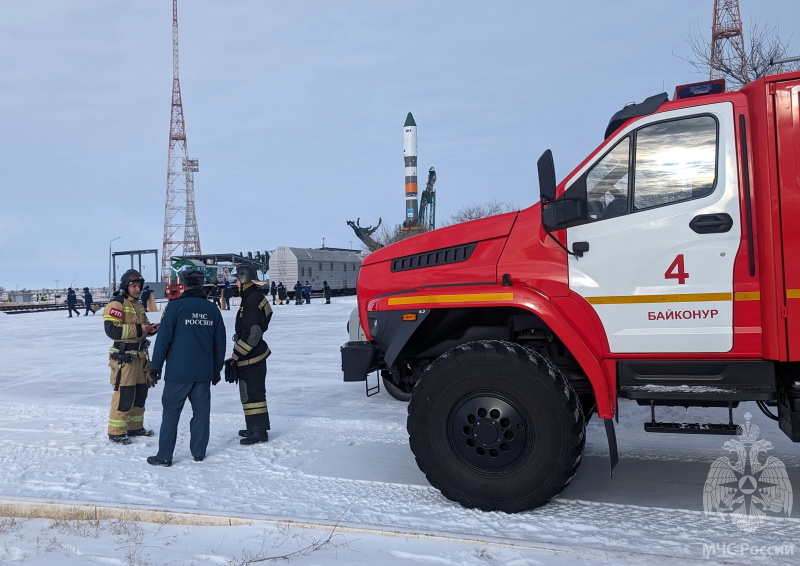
(727, 41)
(179, 209)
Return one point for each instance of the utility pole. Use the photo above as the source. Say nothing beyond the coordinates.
(179, 212)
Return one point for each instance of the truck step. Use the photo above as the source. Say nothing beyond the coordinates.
(691, 428)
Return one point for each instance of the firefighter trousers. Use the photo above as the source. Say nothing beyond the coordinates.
(127, 402)
(253, 394)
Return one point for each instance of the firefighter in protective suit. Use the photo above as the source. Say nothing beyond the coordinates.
(126, 324)
(250, 353)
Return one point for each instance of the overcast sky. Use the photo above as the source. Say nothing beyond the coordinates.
(295, 112)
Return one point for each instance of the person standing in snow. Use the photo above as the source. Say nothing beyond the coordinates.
(282, 294)
(298, 293)
(87, 299)
(215, 294)
(326, 292)
(72, 300)
(192, 343)
(273, 290)
(250, 353)
(126, 323)
(228, 294)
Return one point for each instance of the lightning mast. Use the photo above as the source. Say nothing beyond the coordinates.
(727, 40)
(179, 213)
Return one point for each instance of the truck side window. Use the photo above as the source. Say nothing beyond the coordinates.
(675, 161)
(607, 183)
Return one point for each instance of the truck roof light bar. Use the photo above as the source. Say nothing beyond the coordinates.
(716, 86)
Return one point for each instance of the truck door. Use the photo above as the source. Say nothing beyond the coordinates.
(663, 231)
(787, 118)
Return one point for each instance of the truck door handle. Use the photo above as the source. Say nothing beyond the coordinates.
(711, 223)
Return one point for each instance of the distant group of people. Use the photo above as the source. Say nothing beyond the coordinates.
(302, 293)
(72, 302)
(191, 344)
(218, 292)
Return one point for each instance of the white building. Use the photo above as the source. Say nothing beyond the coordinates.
(338, 267)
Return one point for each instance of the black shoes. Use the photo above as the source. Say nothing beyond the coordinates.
(125, 438)
(154, 461)
(244, 432)
(199, 458)
(140, 432)
(255, 438)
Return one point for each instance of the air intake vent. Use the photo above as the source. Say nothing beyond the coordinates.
(455, 254)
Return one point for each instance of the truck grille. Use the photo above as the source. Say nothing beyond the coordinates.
(453, 254)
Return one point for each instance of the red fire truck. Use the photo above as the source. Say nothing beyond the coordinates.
(664, 269)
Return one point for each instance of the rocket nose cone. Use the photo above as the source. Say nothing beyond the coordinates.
(410, 121)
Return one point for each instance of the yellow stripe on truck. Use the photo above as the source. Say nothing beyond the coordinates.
(638, 299)
(466, 298)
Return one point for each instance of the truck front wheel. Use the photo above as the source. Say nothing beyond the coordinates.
(496, 426)
(400, 391)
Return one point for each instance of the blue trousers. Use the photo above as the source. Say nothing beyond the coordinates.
(172, 400)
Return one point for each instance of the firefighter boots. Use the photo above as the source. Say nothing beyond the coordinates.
(140, 432)
(255, 438)
(119, 438)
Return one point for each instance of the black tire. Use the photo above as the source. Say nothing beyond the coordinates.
(496, 426)
(401, 392)
(588, 405)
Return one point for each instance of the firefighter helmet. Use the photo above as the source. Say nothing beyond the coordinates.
(130, 276)
(245, 273)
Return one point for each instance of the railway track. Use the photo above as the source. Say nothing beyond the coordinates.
(19, 308)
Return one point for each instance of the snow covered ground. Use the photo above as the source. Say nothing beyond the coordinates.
(337, 482)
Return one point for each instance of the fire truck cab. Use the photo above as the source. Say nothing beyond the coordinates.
(664, 269)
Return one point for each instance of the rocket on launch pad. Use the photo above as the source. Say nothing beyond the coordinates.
(410, 155)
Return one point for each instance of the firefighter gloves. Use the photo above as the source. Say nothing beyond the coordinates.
(230, 371)
(155, 376)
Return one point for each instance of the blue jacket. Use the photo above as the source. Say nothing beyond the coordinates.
(191, 339)
(72, 298)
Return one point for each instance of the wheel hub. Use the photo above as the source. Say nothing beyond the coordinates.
(488, 432)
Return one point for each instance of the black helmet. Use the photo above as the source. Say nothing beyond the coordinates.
(130, 276)
(192, 278)
(245, 273)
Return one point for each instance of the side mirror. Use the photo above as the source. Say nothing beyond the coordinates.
(547, 176)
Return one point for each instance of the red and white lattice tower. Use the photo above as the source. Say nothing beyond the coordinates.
(180, 222)
(727, 41)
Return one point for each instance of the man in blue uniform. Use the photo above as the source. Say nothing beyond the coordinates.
(72, 300)
(87, 300)
(191, 340)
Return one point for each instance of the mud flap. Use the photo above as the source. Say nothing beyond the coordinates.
(613, 454)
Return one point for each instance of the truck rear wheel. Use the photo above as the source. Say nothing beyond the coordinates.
(496, 426)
